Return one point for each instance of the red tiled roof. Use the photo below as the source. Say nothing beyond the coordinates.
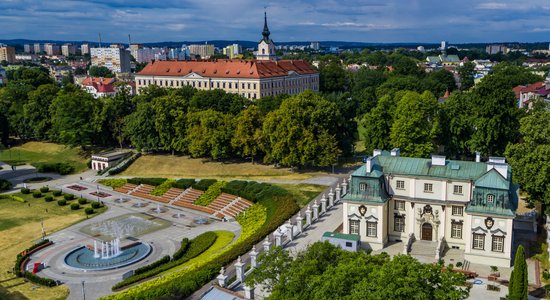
(227, 68)
(103, 88)
(537, 87)
(89, 80)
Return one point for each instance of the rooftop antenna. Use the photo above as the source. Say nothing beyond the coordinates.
(100, 40)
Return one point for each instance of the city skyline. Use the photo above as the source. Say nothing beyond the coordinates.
(356, 21)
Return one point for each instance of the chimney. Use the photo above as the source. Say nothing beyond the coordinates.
(395, 152)
(376, 152)
(478, 156)
(368, 165)
(438, 160)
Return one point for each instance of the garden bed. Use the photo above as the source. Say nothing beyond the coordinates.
(77, 187)
(100, 194)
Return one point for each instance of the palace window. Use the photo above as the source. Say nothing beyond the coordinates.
(400, 185)
(456, 230)
(457, 189)
(354, 226)
(362, 186)
(490, 198)
(399, 205)
(428, 187)
(498, 244)
(399, 224)
(478, 241)
(371, 229)
(458, 210)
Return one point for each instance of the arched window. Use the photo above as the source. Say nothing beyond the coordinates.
(490, 198)
(263, 51)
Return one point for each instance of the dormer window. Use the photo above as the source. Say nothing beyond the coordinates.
(490, 198)
(362, 186)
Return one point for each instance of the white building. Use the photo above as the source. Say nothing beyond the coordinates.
(458, 204)
(105, 160)
(68, 49)
(84, 49)
(204, 51)
(115, 59)
(315, 46)
(266, 47)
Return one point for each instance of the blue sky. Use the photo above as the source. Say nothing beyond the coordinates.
(457, 21)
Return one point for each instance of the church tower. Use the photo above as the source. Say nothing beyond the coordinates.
(266, 48)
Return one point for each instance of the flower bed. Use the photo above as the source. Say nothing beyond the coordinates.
(163, 187)
(100, 194)
(213, 191)
(77, 187)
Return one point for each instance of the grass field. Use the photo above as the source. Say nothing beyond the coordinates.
(184, 167)
(303, 193)
(20, 228)
(33, 152)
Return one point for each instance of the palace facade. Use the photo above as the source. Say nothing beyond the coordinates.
(456, 204)
(253, 79)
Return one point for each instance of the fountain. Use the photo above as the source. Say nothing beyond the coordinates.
(106, 255)
(178, 215)
(201, 221)
(122, 200)
(158, 209)
(140, 204)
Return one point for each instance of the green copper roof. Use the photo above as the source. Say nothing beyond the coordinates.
(493, 179)
(410, 166)
(342, 236)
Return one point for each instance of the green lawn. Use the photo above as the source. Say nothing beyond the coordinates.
(20, 227)
(303, 193)
(34, 152)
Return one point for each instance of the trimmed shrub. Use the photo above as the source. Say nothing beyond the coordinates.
(40, 280)
(68, 197)
(163, 188)
(253, 191)
(184, 183)
(124, 164)
(25, 191)
(5, 185)
(60, 168)
(36, 194)
(75, 206)
(62, 202)
(156, 264)
(56, 193)
(213, 191)
(12, 197)
(48, 198)
(204, 184)
(82, 201)
(181, 251)
(149, 181)
(44, 189)
(24, 254)
(89, 210)
(96, 205)
(114, 182)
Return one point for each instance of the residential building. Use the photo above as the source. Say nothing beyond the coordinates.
(204, 51)
(134, 49)
(179, 53)
(7, 53)
(38, 48)
(27, 48)
(266, 47)
(84, 49)
(420, 49)
(68, 49)
(150, 54)
(443, 59)
(494, 49)
(115, 59)
(526, 95)
(102, 87)
(441, 203)
(233, 51)
(315, 46)
(52, 49)
(252, 79)
(444, 45)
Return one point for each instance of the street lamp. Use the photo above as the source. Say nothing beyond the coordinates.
(83, 292)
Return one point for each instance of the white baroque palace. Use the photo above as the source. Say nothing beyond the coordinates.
(459, 204)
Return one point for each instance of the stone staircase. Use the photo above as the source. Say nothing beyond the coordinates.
(424, 251)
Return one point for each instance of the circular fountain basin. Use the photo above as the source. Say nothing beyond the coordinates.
(140, 204)
(122, 200)
(178, 216)
(83, 258)
(200, 221)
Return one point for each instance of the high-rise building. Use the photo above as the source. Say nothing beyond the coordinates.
(7, 53)
(68, 49)
(444, 45)
(84, 49)
(27, 48)
(233, 51)
(204, 51)
(52, 49)
(315, 46)
(115, 59)
(266, 47)
(494, 49)
(134, 48)
(38, 48)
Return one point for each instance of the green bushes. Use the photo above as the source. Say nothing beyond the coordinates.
(5, 185)
(25, 191)
(68, 197)
(213, 191)
(44, 189)
(253, 191)
(149, 181)
(82, 201)
(75, 206)
(204, 184)
(56, 193)
(60, 168)
(165, 259)
(163, 187)
(89, 210)
(48, 198)
(26, 253)
(62, 202)
(124, 164)
(194, 248)
(12, 197)
(96, 205)
(114, 182)
(40, 280)
(184, 183)
(36, 194)
(181, 251)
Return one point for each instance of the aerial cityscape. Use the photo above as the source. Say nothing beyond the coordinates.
(278, 150)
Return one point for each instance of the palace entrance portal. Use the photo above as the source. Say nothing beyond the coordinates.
(426, 232)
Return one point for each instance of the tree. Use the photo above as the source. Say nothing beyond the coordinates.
(518, 288)
(333, 77)
(209, 134)
(438, 82)
(466, 74)
(376, 125)
(530, 158)
(218, 100)
(36, 111)
(457, 128)
(140, 127)
(247, 138)
(100, 71)
(416, 124)
(167, 109)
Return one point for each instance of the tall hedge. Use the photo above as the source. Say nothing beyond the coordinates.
(149, 181)
(518, 287)
(204, 184)
(184, 183)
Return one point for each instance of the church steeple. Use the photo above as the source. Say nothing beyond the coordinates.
(266, 32)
